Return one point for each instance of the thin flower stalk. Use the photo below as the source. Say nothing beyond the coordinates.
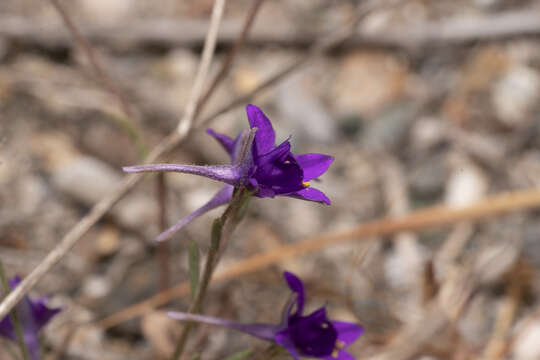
(221, 232)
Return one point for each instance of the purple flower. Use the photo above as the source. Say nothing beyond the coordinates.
(32, 315)
(268, 170)
(313, 335)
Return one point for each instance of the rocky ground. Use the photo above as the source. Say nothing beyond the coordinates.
(429, 103)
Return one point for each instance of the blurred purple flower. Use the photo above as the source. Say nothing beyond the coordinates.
(313, 335)
(32, 315)
(268, 170)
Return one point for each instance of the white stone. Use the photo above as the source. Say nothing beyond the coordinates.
(467, 184)
(515, 94)
(527, 345)
(96, 287)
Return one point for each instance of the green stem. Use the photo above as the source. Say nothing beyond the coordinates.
(221, 231)
(13, 315)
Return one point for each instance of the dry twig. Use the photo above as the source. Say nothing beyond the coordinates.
(172, 33)
(419, 220)
(229, 59)
(506, 313)
(107, 82)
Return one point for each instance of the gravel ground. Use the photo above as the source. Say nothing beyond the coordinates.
(426, 105)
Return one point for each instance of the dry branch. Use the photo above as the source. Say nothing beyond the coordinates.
(170, 33)
(419, 220)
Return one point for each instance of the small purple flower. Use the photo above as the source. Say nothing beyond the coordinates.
(33, 315)
(268, 170)
(313, 335)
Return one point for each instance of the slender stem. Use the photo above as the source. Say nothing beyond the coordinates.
(107, 82)
(163, 246)
(221, 232)
(229, 59)
(13, 315)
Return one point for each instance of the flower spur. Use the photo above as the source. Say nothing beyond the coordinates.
(266, 169)
(313, 335)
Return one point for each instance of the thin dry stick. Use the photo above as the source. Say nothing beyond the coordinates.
(319, 48)
(419, 220)
(101, 208)
(506, 313)
(173, 34)
(163, 246)
(228, 62)
(105, 79)
(184, 126)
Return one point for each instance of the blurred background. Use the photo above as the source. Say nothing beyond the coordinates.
(426, 103)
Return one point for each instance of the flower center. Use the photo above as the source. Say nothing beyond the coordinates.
(313, 335)
(306, 184)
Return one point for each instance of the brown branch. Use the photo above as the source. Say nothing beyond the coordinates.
(415, 221)
(105, 79)
(228, 62)
(191, 33)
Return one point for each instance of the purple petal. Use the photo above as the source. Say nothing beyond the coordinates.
(225, 141)
(313, 165)
(41, 313)
(279, 171)
(33, 315)
(296, 286)
(279, 153)
(265, 137)
(348, 332)
(14, 282)
(225, 173)
(6, 329)
(282, 338)
(341, 355)
(223, 197)
(262, 331)
(311, 194)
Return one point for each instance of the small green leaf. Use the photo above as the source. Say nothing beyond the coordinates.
(196, 357)
(217, 226)
(240, 355)
(194, 267)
